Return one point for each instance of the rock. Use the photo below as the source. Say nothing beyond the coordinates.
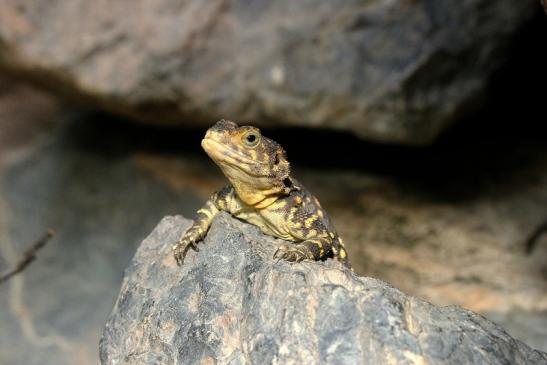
(391, 71)
(231, 303)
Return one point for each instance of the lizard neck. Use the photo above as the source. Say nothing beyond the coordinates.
(258, 199)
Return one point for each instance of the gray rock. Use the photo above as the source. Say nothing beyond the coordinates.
(231, 303)
(393, 71)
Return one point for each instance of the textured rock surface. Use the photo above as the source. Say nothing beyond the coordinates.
(394, 71)
(233, 304)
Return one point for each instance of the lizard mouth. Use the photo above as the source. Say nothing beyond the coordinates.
(223, 153)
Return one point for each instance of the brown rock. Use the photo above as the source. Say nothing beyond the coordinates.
(398, 71)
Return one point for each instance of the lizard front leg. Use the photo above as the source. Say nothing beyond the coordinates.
(197, 231)
(313, 239)
(312, 249)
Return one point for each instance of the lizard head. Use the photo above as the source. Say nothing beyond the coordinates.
(256, 166)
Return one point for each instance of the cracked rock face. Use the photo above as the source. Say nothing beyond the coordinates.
(391, 71)
(231, 303)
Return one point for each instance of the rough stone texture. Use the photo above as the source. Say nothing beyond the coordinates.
(232, 303)
(392, 71)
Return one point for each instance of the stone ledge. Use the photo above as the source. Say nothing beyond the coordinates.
(231, 303)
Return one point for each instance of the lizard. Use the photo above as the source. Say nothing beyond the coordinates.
(263, 193)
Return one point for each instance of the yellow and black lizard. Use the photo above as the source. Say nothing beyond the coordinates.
(263, 193)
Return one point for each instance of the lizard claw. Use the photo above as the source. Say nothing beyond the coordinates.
(276, 253)
(181, 248)
(290, 253)
(188, 240)
(277, 257)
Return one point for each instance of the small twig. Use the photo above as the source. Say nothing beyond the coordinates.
(534, 237)
(28, 256)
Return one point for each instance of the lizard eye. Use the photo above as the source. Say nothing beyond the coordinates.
(252, 139)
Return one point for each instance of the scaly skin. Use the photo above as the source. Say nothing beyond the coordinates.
(263, 193)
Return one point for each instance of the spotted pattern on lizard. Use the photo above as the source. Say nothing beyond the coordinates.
(263, 193)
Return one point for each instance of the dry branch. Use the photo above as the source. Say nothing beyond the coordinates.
(28, 256)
